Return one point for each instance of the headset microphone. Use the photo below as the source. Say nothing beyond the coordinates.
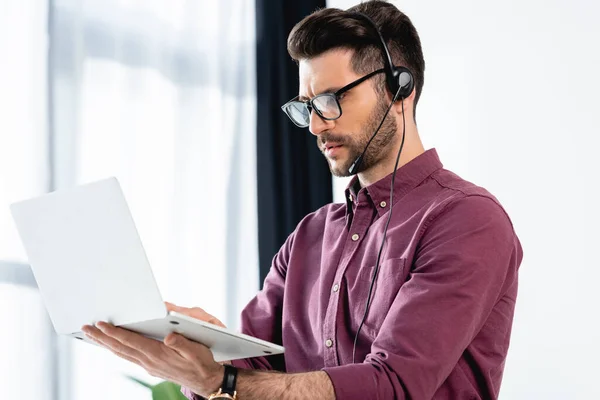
(399, 81)
(356, 164)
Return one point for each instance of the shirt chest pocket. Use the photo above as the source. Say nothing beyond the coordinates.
(390, 278)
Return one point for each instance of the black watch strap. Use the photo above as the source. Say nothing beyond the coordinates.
(229, 380)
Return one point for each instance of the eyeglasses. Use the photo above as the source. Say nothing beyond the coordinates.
(327, 105)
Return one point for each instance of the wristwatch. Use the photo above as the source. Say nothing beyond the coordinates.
(227, 390)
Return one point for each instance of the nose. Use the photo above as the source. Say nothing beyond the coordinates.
(318, 125)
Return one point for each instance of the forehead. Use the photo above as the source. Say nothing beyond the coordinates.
(325, 73)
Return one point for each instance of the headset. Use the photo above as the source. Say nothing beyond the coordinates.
(400, 82)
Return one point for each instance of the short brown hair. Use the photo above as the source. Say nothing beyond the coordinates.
(332, 28)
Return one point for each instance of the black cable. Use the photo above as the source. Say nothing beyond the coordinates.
(356, 165)
(384, 230)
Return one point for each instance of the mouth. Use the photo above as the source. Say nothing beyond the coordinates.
(331, 149)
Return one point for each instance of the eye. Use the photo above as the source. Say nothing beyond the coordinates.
(344, 95)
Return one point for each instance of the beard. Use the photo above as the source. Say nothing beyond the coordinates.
(377, 150)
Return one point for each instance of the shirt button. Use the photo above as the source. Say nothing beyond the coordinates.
(383, 204)
(350, 198)
(336, 287)
(355, 237)
(329, 343)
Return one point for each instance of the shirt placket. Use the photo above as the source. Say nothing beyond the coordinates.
(354, 237)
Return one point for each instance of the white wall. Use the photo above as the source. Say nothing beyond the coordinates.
(511, 102)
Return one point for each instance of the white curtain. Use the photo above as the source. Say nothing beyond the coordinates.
(160, 94)
(26, 356)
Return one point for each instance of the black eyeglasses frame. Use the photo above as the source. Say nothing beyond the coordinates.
(336, 96)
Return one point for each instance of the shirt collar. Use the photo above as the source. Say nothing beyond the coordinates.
(409, 176)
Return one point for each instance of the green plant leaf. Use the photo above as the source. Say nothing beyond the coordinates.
(167, 391)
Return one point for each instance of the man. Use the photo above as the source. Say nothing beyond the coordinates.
(419, 306)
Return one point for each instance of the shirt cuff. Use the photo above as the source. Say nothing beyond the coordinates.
(190, 395)
(242, 363)
(353, 381)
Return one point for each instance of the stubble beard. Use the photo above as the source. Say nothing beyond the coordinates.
(377, 150)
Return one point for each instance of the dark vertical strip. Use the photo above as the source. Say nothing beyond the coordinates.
(293, 177)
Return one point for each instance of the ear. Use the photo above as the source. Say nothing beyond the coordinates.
(409, 103)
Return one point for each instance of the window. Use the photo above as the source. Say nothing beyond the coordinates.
(161, 95)
(27, 354)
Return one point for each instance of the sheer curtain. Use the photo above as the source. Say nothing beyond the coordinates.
(161, 95)
(26, 336)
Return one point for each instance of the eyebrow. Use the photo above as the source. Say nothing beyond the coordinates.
(328, 90)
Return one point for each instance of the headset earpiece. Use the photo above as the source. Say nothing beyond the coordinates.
(397, 78)
(403, 81)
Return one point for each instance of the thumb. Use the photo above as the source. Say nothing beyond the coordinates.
(187, 348)
(179, 342)
(175, 341)
(174, 307)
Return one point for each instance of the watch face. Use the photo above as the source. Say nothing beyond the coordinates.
(222, 396)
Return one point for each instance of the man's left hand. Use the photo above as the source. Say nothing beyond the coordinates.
(176, 359)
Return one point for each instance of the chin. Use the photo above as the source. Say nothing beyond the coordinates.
(339, 171)
(339, 166)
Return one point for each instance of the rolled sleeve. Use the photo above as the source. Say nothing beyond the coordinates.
(359, 382)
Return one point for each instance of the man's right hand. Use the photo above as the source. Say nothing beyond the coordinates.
(195, 312)
(198, 313)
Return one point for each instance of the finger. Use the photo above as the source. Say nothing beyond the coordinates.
(121, 355)
(195, 312)
(172, 307)
(202, 315)
(128, 338)
(115, 345)
(92, 338)
(123, 342)
(129, 358)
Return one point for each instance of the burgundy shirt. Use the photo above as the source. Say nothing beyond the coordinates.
(441, 314)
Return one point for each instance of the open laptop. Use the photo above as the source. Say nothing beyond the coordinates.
(89, 264)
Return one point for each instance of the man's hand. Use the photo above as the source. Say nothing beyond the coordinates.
(176, 359)
(195, 312)
(192, 365)
(198, 313)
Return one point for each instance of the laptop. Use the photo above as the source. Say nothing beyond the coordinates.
(90, 265)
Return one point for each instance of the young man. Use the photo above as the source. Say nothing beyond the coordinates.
(419, 306)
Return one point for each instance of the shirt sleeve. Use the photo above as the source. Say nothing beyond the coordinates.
(467, 259)
(191, 395)
(262, 317)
